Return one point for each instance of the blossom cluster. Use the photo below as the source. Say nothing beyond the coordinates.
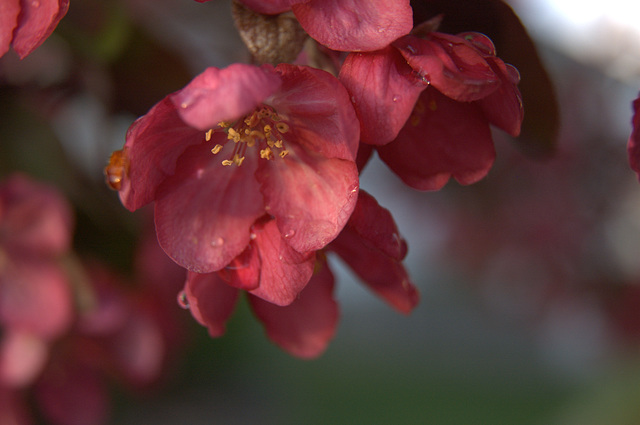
(253, 169)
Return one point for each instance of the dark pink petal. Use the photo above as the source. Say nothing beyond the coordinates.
(35, 220)
(284, 271)
(224, 94)
(35, 297)
(451, 64)
(9, 11)
(376, 227)
(318, 111)
(503, 108)
(154, 143)
(383, 91)
(442, 139)
(384, 275)
(355, 25)
(203, 213)
(73, 394)
(244, 271)
(269, 7)
(211, 301)
(304, 327)
(37, 21)
(22, 357)
(310, 196)
(13, 410)
(634, 138)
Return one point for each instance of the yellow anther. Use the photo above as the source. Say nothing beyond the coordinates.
(267, 130)
(266, 153)
(283, 154)
(224, 124)
(216, 149)
(282, 127)
(265, 113)
(252, 120)
(207, 135)
(233, 135)
(237, 160)
(278, 144)
(226, 162)
(270, 143)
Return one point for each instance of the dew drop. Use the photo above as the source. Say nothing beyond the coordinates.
(217, 242)
(353, 99)
(289, 234)
(252, 236)
(280, 257)
(183, 301)
(395, 98)
(411, 49)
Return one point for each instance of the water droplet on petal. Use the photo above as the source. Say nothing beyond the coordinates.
(280, 257)
(217, 242)
(353, 99)
(289, 234)
(411, 49)
(252, 236)
(183, 301)
(396, 98)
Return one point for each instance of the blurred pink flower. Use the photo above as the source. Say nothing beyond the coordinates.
(35, 296)
(237, 144)
(24, 25)
(345, 25)
(427, 103)
(369, 243)
(634, 138)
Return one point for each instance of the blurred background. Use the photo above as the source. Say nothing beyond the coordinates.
(529, 280)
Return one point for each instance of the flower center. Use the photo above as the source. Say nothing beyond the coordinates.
(262, 128)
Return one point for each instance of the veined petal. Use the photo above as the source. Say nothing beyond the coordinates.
(385, 275)
(204, 211)
(154, 143)
(503, 108)
(634, 138)
(244, 271)
(224, 94)
(320, 114)
(451, 64)
(383, 91)
(376, 227)
(310, 196)
(37, 21)
(304, 327)
(355, 25)
(284, 272)
(211, 301)
(443, 138)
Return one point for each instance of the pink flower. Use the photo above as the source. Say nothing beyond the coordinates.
(427, 104)
(345, 25)
(35, 295)
(369, 243)
(24, 25)
(634, 138)
(237, 145)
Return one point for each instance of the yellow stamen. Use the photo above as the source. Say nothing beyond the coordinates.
(283, 154)
(207, 135)
(266, 153)
(216, 149)
(282, 127)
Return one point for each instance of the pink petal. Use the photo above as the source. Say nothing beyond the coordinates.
(284, 271)
(37, 20)
(384, 275)
(211, 301)
(269, 7)
(318, 111)
(203, 213)
(443, 138)
(73, 394)
(355, 25)
(634, 138)
(311, 196)
(154, 143)
(383, 92)
(503, 108)
(35, 296)
(9, 11)
(305, 327)
(224, 94)
(376, 227)
(244, 271)
(35, 220)
(451, 64)
(22, 358)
